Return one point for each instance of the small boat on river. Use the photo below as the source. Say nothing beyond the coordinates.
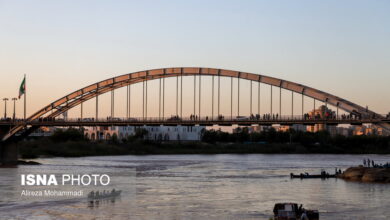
(322, 175)
(103, 195)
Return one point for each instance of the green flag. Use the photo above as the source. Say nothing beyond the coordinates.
(22, 89)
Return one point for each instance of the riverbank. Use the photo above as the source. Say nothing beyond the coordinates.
(46, 147)
(367, 174)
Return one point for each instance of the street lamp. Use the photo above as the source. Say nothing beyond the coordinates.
(5, 107)
(14, 99)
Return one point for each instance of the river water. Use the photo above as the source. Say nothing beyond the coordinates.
(199, 187)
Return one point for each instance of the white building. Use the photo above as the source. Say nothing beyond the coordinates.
(44, 132)
(344, 131)
(283, 128)
(163, 133)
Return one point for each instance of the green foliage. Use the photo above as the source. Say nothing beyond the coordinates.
(70, 134)
(114, 139)
(140, 133)
(138, 136)
(319, 142)
(46, 147)
(71, 143)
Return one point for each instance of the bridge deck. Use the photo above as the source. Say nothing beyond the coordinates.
(167, 122)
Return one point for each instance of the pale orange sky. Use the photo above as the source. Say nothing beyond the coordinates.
(65, 45)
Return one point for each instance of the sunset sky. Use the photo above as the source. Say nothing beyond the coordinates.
(341, 47)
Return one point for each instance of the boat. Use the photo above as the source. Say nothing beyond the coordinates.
(323, 175)
(291, 211)
(308, 176)
(104, 195)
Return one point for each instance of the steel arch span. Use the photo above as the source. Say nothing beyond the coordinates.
(79, 96)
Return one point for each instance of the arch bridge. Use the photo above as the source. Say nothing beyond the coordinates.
(46, 116)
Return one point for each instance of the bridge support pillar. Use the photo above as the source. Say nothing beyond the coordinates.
(8, 154)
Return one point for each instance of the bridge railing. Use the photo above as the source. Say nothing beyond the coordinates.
(206, 119)
(195, 118)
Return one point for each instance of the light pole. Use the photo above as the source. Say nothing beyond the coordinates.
(13, 117)
(5, 107)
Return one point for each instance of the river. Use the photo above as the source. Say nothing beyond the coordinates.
(223, 186)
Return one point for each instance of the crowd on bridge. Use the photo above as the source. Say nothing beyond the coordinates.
(193, 117)
(8, 119)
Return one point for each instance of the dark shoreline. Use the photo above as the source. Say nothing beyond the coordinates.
(72, 143)
(37, 148)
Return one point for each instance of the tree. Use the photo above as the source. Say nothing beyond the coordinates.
(70, 134)
(114, 138)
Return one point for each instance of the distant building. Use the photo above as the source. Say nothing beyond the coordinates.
(101, 133)
(344, 131)
(298, 127)
(163, 133)
(257, 128)
(44, 132)
(321, 112)
(366, 130)
(281, 128)
(175, 133)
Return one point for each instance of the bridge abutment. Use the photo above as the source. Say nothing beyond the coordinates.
(8, 152)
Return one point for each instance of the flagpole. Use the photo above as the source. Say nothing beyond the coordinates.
(25, 93)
